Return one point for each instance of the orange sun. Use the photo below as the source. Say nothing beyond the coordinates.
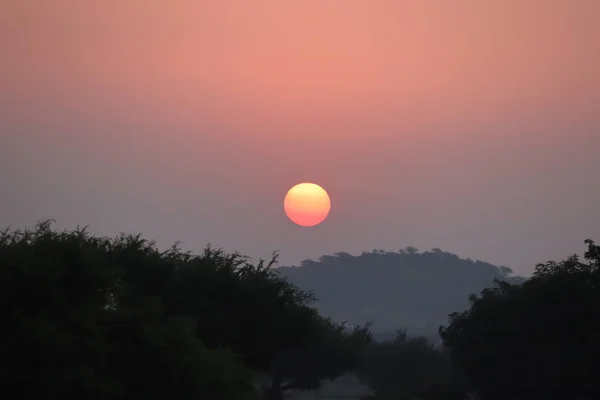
(307, 204)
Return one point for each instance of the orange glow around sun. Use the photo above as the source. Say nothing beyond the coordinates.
(307, 204)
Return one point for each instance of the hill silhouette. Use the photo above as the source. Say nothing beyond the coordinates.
(406, 289)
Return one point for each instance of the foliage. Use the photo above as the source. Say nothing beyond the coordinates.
(243, 306)
(330, 350)
(411, 367)
(536, 340)
(106, 318)
(78, 323)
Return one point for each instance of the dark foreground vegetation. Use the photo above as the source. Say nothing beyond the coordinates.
(85, 317)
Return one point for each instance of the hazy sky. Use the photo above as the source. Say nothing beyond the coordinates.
(469, 125)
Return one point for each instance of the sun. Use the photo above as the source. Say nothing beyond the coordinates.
(307, 204)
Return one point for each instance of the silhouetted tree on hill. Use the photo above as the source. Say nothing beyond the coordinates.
(408, 288)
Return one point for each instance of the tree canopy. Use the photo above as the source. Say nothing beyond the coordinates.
(109, 318)
(411, 367)
(90, 317)
(330, 350)
(536, 340)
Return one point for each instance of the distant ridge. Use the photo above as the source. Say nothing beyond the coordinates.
(404, 289)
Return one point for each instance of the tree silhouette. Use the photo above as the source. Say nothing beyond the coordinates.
(107, 318)
(406, 368)
(76, 326)
(328, 352)
(536, 340)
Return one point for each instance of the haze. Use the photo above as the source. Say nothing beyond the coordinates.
(467, 125)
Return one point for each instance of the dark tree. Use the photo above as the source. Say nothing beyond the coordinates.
(270, 323)
(329, 351)
(97, 318)
(82, 317)
(537, 340)
(244, 306)
(411, 368)
(411, 250)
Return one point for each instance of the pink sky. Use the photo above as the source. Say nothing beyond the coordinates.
(469, 125)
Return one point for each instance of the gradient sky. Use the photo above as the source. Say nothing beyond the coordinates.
(469, 125)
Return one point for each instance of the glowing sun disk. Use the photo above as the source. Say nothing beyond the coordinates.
(307, 204)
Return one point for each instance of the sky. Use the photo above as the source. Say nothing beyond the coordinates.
(468, 125)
